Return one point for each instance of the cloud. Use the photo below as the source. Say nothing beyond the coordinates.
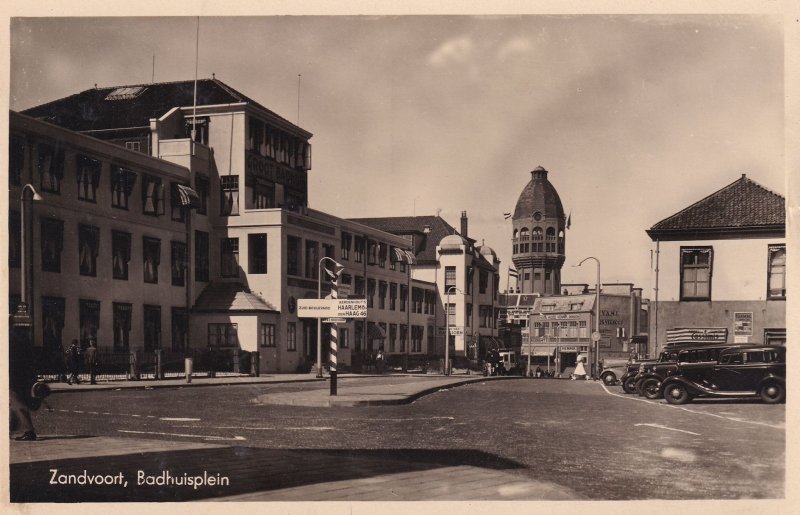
(456, 50)
(518, 45)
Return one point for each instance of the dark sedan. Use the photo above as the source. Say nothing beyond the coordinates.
(749, 371)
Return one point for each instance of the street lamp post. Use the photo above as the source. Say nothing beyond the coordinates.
(447, 335)
(22, 316)
(319, 320)
(595, 343)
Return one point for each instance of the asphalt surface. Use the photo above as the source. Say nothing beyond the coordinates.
(494, 439)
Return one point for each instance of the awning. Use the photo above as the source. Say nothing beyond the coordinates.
(188, 197)
(544, 351)
(375, 332)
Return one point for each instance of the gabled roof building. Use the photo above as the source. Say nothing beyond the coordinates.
(720, 268)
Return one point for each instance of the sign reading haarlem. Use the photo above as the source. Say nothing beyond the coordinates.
(332, 308)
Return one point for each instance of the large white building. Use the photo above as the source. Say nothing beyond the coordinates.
(720, 269)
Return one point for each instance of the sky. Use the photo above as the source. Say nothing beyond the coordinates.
(635, 117)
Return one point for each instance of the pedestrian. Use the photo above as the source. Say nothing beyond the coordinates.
(580, 370)
(74, 362)
(379, 362)
(22, 376)
(91, 360)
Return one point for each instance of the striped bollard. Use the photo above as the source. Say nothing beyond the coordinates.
(334, 336)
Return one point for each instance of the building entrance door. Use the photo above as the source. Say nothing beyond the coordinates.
(568, 360)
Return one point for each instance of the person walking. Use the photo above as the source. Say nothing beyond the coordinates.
(580, 370)
(74, 362)
(91, 360)
(22, 376)
(379, 362)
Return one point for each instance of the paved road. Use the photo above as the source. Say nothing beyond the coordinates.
(519, 439)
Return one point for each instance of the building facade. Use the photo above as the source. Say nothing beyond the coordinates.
(246, 246)
(720, 269)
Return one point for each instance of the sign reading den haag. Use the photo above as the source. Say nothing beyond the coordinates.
(332, 308)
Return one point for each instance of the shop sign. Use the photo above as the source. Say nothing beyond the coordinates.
(518, 313)
(564, 316)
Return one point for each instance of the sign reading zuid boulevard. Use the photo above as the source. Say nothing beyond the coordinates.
(332, 308)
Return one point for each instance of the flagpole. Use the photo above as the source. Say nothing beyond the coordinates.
(194, 103)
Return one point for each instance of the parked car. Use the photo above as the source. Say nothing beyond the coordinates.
(746, 371)
(629, 378)
(648, 383)
(612, 369)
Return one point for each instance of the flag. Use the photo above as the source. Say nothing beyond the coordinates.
(569, 219)
(513, 273)
(506, 215)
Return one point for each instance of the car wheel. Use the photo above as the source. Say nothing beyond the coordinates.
(651, 388)
(676, 393)
(772, 393)
(609, 379)
(629, 386)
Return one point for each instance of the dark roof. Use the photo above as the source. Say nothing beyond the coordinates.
(222, 297)
(425, 244)
(414, 225)
(90, 109)
(741, 206)
(539, 195)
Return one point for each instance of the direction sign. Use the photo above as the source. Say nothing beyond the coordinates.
(334, 320)
(332, 308)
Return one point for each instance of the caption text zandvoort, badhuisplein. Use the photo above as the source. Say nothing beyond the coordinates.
(163, 478)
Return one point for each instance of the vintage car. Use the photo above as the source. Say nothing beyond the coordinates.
(743, 371)
(629, 378)
(612, 369)
(648, 383)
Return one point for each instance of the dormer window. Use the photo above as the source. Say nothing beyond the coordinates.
(126, 93)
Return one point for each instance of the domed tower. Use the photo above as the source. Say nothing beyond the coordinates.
(538, 236)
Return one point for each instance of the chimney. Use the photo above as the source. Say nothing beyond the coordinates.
(464, 224)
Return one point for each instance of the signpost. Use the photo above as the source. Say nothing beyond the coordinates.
(332, 308)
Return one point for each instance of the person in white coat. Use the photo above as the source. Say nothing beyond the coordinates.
(580, 370)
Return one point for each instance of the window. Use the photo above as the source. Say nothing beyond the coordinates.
(451, 312)
(312, 259)
(88, 248)
(382, 287)
(136, 146)
(178, 263)
(469, 315)
(291, 336)
(201, 187)
(255, 141)
(550, 239)
(201, 256)
(223, 335)
(52, 325)
(485, 313)
(88, 178)
(403, 337)
(392, 259)
(122, 183)
(382, 250)
(14, 239)
(359, 250)
(122, 326)
(371, 293)
(360, 290)
(372, 252)
(16, 160)
(50, 164)
(120, 254)
(262, 193)
(152, 195)
(229, 261)
(483, 281)
(537, 245)
(268, 335)
(257, 253)
(344, 338)
(177, 211)
(392, 336)
(777, 272)
(392, 296)
(52, 244)
(292, 255)
(229, 189)
(347, 240)
(89, 312)
(417, 333)
(180, 324)
(151, 256)
(696, 265)
(449, 277)
(200, 126)
(403, 297)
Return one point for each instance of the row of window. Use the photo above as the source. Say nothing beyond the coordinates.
(52, 246)
(696, 271)
(483, 280)
(53, 311)
(50, 164)
(377, 253)
(278, 145)
(487, 315)
(569, 329)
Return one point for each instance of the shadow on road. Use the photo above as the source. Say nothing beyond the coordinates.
(248, 470)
